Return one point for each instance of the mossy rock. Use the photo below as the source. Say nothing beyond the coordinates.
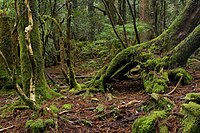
(146, 124)
(39, 125)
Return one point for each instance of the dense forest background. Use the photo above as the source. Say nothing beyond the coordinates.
(99, 66)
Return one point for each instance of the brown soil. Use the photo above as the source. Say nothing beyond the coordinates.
(118, 108)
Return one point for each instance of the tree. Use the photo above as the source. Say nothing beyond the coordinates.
(167, 51)
(31, 61)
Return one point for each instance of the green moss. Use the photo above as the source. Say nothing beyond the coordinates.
(162, 103)
(194, 97)
(190, 124)
(180, 72)
(192, 108)
(35, 126)
(49, 122)
(54, 109)
(191, 121)
(146, 124)
(163, 129)
(67, 106)
(39, 125)
(155, 82)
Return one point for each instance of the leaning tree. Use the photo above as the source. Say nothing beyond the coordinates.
(156, 57)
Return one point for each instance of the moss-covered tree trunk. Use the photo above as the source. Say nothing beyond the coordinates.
(179, 38)
(43, 92)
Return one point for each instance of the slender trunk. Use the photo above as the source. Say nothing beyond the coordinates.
(91, 15)
(72, 80)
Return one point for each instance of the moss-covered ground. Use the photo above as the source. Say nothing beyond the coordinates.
(113, 111)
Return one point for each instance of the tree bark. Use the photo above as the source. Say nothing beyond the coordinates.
(43, 92)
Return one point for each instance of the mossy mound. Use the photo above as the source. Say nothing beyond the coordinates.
(146, 124)
(191, 121)
(39, 125)
(194, 97)
(155, 82)
(177, 73)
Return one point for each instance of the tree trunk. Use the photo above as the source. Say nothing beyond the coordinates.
(160, 46)
(91, 15)
(43, 92)
(74, 86)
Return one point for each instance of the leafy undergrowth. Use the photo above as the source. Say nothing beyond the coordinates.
(113, 111)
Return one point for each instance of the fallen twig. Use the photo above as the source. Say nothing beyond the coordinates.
(175, 87)
(4, 129)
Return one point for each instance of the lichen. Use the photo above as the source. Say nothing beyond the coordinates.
(146, 124)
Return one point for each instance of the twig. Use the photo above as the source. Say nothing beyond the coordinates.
(129, 103)
(175, 86)
(4, 129)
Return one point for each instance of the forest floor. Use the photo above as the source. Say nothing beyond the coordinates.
(109, 112)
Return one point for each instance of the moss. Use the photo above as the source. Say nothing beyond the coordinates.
(155, 82)
(192, 108)
(194, 97)
(49, 122)
(162, 103)
(163, 129)
(190, 124)
(67, 106)
(175, 74)
(39, 125)
(146, 124)
(54, 109)
(191, 121)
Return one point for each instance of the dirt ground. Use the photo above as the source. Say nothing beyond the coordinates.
(109, 112)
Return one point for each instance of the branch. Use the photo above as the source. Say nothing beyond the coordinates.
(175, 86)
(134, 20)
(104, 12)
(112, 23)
(120, 17)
